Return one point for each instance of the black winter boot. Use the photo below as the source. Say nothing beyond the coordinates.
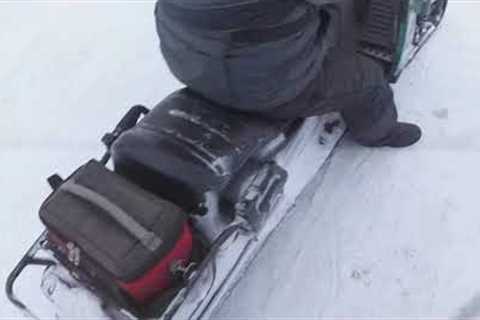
(402, 135)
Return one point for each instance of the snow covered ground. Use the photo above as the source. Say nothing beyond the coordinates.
(380, 234)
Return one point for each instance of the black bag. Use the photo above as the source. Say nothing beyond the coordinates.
(110, 224)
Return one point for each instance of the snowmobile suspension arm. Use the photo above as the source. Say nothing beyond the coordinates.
(28, 259)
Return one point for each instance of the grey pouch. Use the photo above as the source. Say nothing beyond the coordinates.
(118, 225)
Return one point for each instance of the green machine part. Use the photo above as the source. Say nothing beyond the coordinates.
(407, 24)
(395, 30)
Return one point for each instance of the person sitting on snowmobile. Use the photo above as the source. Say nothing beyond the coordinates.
(284, 59)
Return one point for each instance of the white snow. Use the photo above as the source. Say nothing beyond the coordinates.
(381, 233)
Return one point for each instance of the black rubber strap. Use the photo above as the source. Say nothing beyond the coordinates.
(249, 14)
(270, 34)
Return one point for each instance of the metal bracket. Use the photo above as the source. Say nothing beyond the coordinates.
(28, 259)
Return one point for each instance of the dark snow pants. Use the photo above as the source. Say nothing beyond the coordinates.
(353, 85)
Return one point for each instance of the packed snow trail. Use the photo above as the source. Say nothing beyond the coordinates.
(382, 233)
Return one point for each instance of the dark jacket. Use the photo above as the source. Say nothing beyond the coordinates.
(250, 55)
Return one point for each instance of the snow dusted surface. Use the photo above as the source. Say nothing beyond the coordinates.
(382, 233)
